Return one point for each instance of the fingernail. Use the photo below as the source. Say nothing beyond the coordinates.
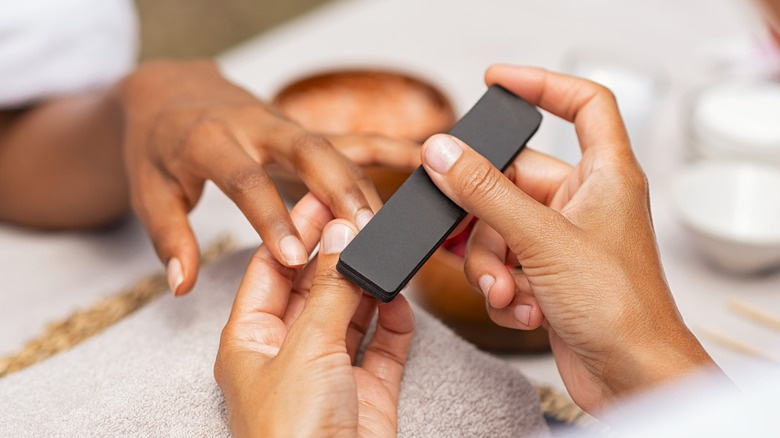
(175, 275)
(336, 238)
(293, 251)
(363, 217)
(523, 314)
(485, 283)
(441, 152)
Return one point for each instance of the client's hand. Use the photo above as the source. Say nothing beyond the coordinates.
(584, 239)
(185, 124)
(285, 362)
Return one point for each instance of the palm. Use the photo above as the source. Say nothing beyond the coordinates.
(332, 384)
(379, 417)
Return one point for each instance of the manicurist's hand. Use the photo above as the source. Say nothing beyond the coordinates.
(286, 357)
(584, 240)
(185, 124)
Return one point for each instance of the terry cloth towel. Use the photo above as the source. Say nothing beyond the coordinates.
(151, 375)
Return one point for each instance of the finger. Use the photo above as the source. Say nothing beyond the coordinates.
(161, 207)
(359, 325)
(378, 150)
(472, 182)
(485, 266)
(218, 156)
(369, 191)
(590, 106)
(266, 285)
(300, 290)
(388, 349)
(523, 312)
(333, 300)
(325, 171)
(360, 321)
(538, 174)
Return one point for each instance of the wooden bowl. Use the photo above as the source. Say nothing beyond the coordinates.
(397, 105)
(367, 101)
(391, 104)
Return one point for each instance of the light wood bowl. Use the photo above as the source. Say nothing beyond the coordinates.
(397, 105)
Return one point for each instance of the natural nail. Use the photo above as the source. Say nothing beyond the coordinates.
(485, 283)
(175, 275)
(523, 314)
(293, 251)
(363, 217)
(336, 237)
(441, 152)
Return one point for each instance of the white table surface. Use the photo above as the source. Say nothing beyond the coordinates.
(47, 276)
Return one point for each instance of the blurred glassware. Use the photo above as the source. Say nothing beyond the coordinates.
(733, 211)
(728, 194)
(737, 120)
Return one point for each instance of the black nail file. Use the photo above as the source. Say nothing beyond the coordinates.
(404, 233)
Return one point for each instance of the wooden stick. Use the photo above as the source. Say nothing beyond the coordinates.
(738, 345)
(754, 313)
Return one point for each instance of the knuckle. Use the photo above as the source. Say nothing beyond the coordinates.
(307, 145)
(352, 192)
(306, 142)
(246, 180)
(332, 282)
(480, 181)
(204, 130)
(603, 93)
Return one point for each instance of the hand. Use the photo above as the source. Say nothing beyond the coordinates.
(285, 361)
(584, 239)
(186, 124)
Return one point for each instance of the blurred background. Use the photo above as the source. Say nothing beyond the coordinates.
(197, 28)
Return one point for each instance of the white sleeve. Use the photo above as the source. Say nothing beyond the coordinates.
(55, 47)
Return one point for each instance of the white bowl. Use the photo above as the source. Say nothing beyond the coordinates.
(733, 209)
(738, 120)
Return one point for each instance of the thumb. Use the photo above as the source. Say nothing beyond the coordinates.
(472, 182)
(332, 300)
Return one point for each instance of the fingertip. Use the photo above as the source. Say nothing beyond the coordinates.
(293, 251)
(180, 254)
(493, 73)
(440, 152)
(485, 282)
(528, 314)
(182, 272)
(175, 275)
(397, 315)
(522, 313)
(336, 236)
(502, 291)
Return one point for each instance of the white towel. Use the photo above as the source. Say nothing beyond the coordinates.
(151, 375)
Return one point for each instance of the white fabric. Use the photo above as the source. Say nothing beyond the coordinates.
(55, 47)
(151, 375)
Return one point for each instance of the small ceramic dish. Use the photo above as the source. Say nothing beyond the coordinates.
(733, 210)
(737, 120)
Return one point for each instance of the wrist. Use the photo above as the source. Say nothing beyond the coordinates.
(664, 356)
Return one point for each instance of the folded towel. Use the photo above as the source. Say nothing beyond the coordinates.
(151, 375)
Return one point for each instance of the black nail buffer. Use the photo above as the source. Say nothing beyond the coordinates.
(404, 233)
